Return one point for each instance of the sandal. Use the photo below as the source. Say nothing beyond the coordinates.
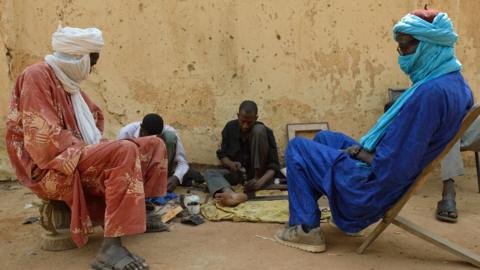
(445, 208)
(118, 260)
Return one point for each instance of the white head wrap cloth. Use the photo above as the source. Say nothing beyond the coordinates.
(71, 64)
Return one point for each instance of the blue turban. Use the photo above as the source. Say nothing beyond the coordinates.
(434, 57)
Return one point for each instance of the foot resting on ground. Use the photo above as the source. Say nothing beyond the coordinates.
(446, 208)
(112, 255)
(294, 236)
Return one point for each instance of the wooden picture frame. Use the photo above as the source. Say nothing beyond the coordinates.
(305, 129)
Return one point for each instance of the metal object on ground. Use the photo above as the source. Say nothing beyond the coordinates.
(269, 198)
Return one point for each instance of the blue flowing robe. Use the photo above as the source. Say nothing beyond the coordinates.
(360, 195)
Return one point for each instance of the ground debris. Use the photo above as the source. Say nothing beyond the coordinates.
(30, 220)
(265, 238)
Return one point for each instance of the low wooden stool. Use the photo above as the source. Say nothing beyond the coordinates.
(55, 219)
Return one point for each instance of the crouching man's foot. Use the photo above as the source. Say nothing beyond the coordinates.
(112, 255)
(296, 237)
(230, 198)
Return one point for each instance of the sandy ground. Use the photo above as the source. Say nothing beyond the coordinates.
(228, 245)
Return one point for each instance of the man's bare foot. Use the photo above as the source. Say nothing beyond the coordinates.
(230, 198)
(112, 255)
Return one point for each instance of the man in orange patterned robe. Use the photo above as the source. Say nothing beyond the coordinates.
(104, 182)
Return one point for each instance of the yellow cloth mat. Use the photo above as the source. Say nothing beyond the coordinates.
(254, 211)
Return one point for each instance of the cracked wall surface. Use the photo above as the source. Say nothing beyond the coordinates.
(193, 62)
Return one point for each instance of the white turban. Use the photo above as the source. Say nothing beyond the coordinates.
(77, 41)
(71, 64)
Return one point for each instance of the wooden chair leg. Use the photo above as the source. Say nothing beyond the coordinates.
(477, 163)
(373, 235)
(437, 240)
(391, 215)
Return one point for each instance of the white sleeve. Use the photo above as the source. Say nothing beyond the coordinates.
(123, 134)
(182, 164)
(128, 131)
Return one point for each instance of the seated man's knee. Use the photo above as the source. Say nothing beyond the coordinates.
(259, 130)
(152, 141)
(127, 144)
(210, 173)
(323, 136)
(295, 143)
(126, 148)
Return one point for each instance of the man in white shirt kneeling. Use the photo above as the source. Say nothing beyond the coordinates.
(179, 173)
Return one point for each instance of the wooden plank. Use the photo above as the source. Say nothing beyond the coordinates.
(171, 214)
(373, 235)
(419, 181)
(293, 129)
(477, 164)
(276, 187)
(269, 198)
(422, 178)
(437, 240)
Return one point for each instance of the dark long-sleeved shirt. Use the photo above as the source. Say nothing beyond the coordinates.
(236, 149)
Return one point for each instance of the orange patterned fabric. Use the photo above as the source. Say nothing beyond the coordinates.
(106, 183)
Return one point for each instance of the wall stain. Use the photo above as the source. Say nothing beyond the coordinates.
(302, 61)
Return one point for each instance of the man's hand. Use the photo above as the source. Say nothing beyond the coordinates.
(252, 185)
(353, 150)
(172, 183)
(234, 166)
(359, 153)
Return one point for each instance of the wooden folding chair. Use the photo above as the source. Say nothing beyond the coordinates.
(391, 216)
(394, 94)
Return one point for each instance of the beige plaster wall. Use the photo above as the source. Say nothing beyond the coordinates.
(193, 62)
(5, 81)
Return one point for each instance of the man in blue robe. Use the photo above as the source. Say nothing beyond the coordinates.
(362, 180)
